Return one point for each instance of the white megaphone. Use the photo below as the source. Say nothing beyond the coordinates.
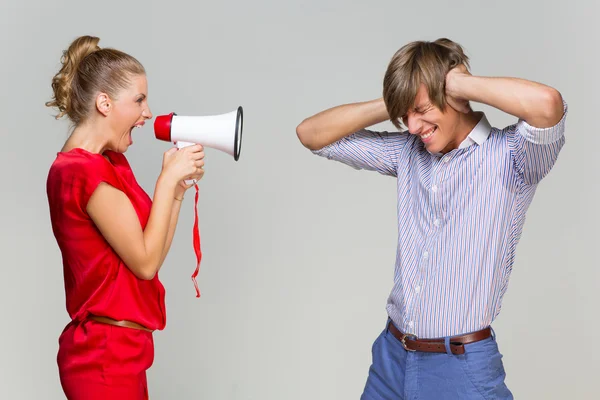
(222, 132)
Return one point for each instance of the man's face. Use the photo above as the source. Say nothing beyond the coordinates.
(436, 128)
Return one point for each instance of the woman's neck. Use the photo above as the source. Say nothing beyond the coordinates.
(88, 138)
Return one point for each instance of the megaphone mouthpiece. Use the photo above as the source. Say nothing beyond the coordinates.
(162, 127)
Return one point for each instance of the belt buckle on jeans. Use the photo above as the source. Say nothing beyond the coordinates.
(404, 343)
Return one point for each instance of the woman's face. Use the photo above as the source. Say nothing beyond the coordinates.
(130, 110)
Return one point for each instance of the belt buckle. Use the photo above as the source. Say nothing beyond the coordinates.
(404, 338)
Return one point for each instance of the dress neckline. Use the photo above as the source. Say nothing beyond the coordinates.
(108, 155)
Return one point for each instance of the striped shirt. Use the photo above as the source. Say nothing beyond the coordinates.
(460, 217)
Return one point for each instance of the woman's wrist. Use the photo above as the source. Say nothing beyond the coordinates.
(179, 192)
(166, 184)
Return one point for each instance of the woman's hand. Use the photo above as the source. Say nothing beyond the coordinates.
(183, 164)
(182, 187)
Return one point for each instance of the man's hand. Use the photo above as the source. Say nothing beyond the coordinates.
(453, 82)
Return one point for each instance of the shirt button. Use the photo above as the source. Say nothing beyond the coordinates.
(410, 324)
(426, 255)
(418, 289)
(436, 222)
(446, 159)
(434, 188)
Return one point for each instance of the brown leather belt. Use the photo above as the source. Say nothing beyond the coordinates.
(124, 324)
(412, 343)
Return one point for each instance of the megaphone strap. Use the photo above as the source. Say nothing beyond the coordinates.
(196, 242)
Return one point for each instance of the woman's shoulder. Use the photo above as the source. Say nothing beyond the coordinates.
(78, 162)
(75, 174)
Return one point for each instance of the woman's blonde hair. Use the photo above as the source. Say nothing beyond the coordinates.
(420, 62)
(86, 71)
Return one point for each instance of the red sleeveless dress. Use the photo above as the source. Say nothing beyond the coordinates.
(95, 360)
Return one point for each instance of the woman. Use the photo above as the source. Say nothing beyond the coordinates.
(112, 236)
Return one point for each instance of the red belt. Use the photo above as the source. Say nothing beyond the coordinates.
(412, 343)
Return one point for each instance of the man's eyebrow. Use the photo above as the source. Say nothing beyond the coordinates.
(422, 107)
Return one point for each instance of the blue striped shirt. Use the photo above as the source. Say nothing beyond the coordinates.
(460, 217)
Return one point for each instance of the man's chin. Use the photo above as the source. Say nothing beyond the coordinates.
(432, 148)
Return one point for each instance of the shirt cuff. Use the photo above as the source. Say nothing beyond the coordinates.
(543, 135)
(323, 152)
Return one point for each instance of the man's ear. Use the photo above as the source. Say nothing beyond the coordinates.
(103, 104)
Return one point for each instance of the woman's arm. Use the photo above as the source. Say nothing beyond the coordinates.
(143, 251)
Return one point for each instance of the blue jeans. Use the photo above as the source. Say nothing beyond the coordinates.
(397, 374)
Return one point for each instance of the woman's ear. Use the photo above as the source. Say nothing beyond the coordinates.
(103, 104)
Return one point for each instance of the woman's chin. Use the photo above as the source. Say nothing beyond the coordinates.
(124, 143)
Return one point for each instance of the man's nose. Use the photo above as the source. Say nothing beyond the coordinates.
(414, 123)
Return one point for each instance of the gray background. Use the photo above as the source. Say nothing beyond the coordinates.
(298, 251)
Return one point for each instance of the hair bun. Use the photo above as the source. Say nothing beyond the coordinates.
(79, 49)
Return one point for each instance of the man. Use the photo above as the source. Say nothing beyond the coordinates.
(463, 190)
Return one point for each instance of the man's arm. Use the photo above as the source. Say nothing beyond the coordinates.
(539, 105)
(333, 124)
(340, 134)
(538, 137)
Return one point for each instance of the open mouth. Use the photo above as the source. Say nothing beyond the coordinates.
(138, 125)
(427, 136)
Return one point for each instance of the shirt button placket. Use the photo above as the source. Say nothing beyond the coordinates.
(435, 202)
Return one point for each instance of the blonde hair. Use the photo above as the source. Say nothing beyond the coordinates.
(86, 71)
(420, 62)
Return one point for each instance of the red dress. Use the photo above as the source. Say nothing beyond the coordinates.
(96, 360)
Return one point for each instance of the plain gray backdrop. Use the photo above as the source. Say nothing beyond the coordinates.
(298, 251)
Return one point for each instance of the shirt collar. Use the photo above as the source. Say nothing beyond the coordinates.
(478, 134)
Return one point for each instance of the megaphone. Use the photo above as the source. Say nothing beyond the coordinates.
(222, 132)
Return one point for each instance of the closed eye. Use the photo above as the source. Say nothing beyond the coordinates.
(424, 108)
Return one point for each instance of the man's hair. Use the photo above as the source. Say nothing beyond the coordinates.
(420, 62)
